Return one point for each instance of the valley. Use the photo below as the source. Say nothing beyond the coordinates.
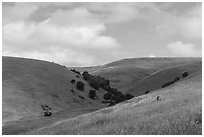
(29, 83)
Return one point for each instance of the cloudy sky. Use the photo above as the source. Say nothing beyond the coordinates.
(84, 34)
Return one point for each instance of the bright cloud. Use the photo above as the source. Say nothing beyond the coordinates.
(183, 49)
(72, 32)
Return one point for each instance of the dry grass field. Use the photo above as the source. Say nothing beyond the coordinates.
(178, 112)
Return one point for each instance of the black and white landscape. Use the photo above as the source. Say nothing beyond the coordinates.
(102, 68)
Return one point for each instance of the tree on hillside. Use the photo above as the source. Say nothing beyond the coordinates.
(147, 92)
(94, 84)
(85, 75)
(108, 96)
(185, 74)
(72, 81)
(80, 85)
(118, 98)
(128, 96)
(92, 94)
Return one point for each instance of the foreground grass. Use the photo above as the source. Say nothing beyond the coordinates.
(178, 112)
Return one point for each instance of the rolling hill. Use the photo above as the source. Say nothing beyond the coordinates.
(137, 75)
(179, 112)
(27, 84)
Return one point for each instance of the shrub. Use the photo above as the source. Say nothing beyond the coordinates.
(118, 98)
(147, 92)
(185, 74)
(72, 81)
(81, 97)
(128, 96)
(80, 85)
(75, 71)
(85, 75)
(94, 84)
(112, 90)
(168, 83)
(107, 96)
(92, 94)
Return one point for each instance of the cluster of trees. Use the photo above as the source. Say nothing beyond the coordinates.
(80, 85)
(113, 96)
(96, 81)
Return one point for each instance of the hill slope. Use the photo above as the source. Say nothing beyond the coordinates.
(133, 75)
(28, 83)
(178, 112)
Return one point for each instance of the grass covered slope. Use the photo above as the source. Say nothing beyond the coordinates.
(178, 112)
(157, 79)
(125, 73)
(28, 83)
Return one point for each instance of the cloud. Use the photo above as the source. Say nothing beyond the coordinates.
(67, 36)
(184, 49)
(18, 12)
(114, 12)
(191, 24)
(165, 20)
(188, 25)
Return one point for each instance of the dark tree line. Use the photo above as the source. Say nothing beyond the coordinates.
(113, 95)
(184, 75)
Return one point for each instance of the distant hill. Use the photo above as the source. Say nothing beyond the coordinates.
(137, 75)
(28, 83)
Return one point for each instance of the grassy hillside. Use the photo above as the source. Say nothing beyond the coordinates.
(28, 83)
(159, 78)
(124, 74)
(178, 112)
